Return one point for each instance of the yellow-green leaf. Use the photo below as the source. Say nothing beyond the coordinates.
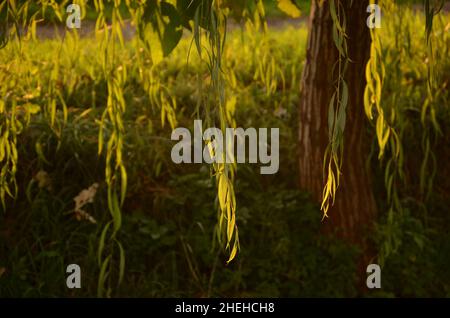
(288, 7)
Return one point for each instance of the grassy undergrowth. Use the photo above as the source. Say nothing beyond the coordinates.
(170, 210)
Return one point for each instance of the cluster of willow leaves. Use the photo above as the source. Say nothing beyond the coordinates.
(86, 175)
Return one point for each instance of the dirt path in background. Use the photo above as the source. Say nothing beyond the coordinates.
(87, 28)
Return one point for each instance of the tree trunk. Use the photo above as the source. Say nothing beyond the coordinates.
(354, 211)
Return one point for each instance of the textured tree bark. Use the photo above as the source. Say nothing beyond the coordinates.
(354, 211)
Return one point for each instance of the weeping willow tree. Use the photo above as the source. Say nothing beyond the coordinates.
(341, 88)
(332, 118)
(341, 94)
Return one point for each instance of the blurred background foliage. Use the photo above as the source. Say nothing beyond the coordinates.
(170, 214)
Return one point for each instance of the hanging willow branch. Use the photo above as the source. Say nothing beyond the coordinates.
(374, 108)
(383, 113)
(336, 109)
(224, 172)
(386, 113)
(115, 172)
(428, 114)
(10, 13)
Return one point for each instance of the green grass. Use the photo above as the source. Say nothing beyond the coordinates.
(170, 210)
